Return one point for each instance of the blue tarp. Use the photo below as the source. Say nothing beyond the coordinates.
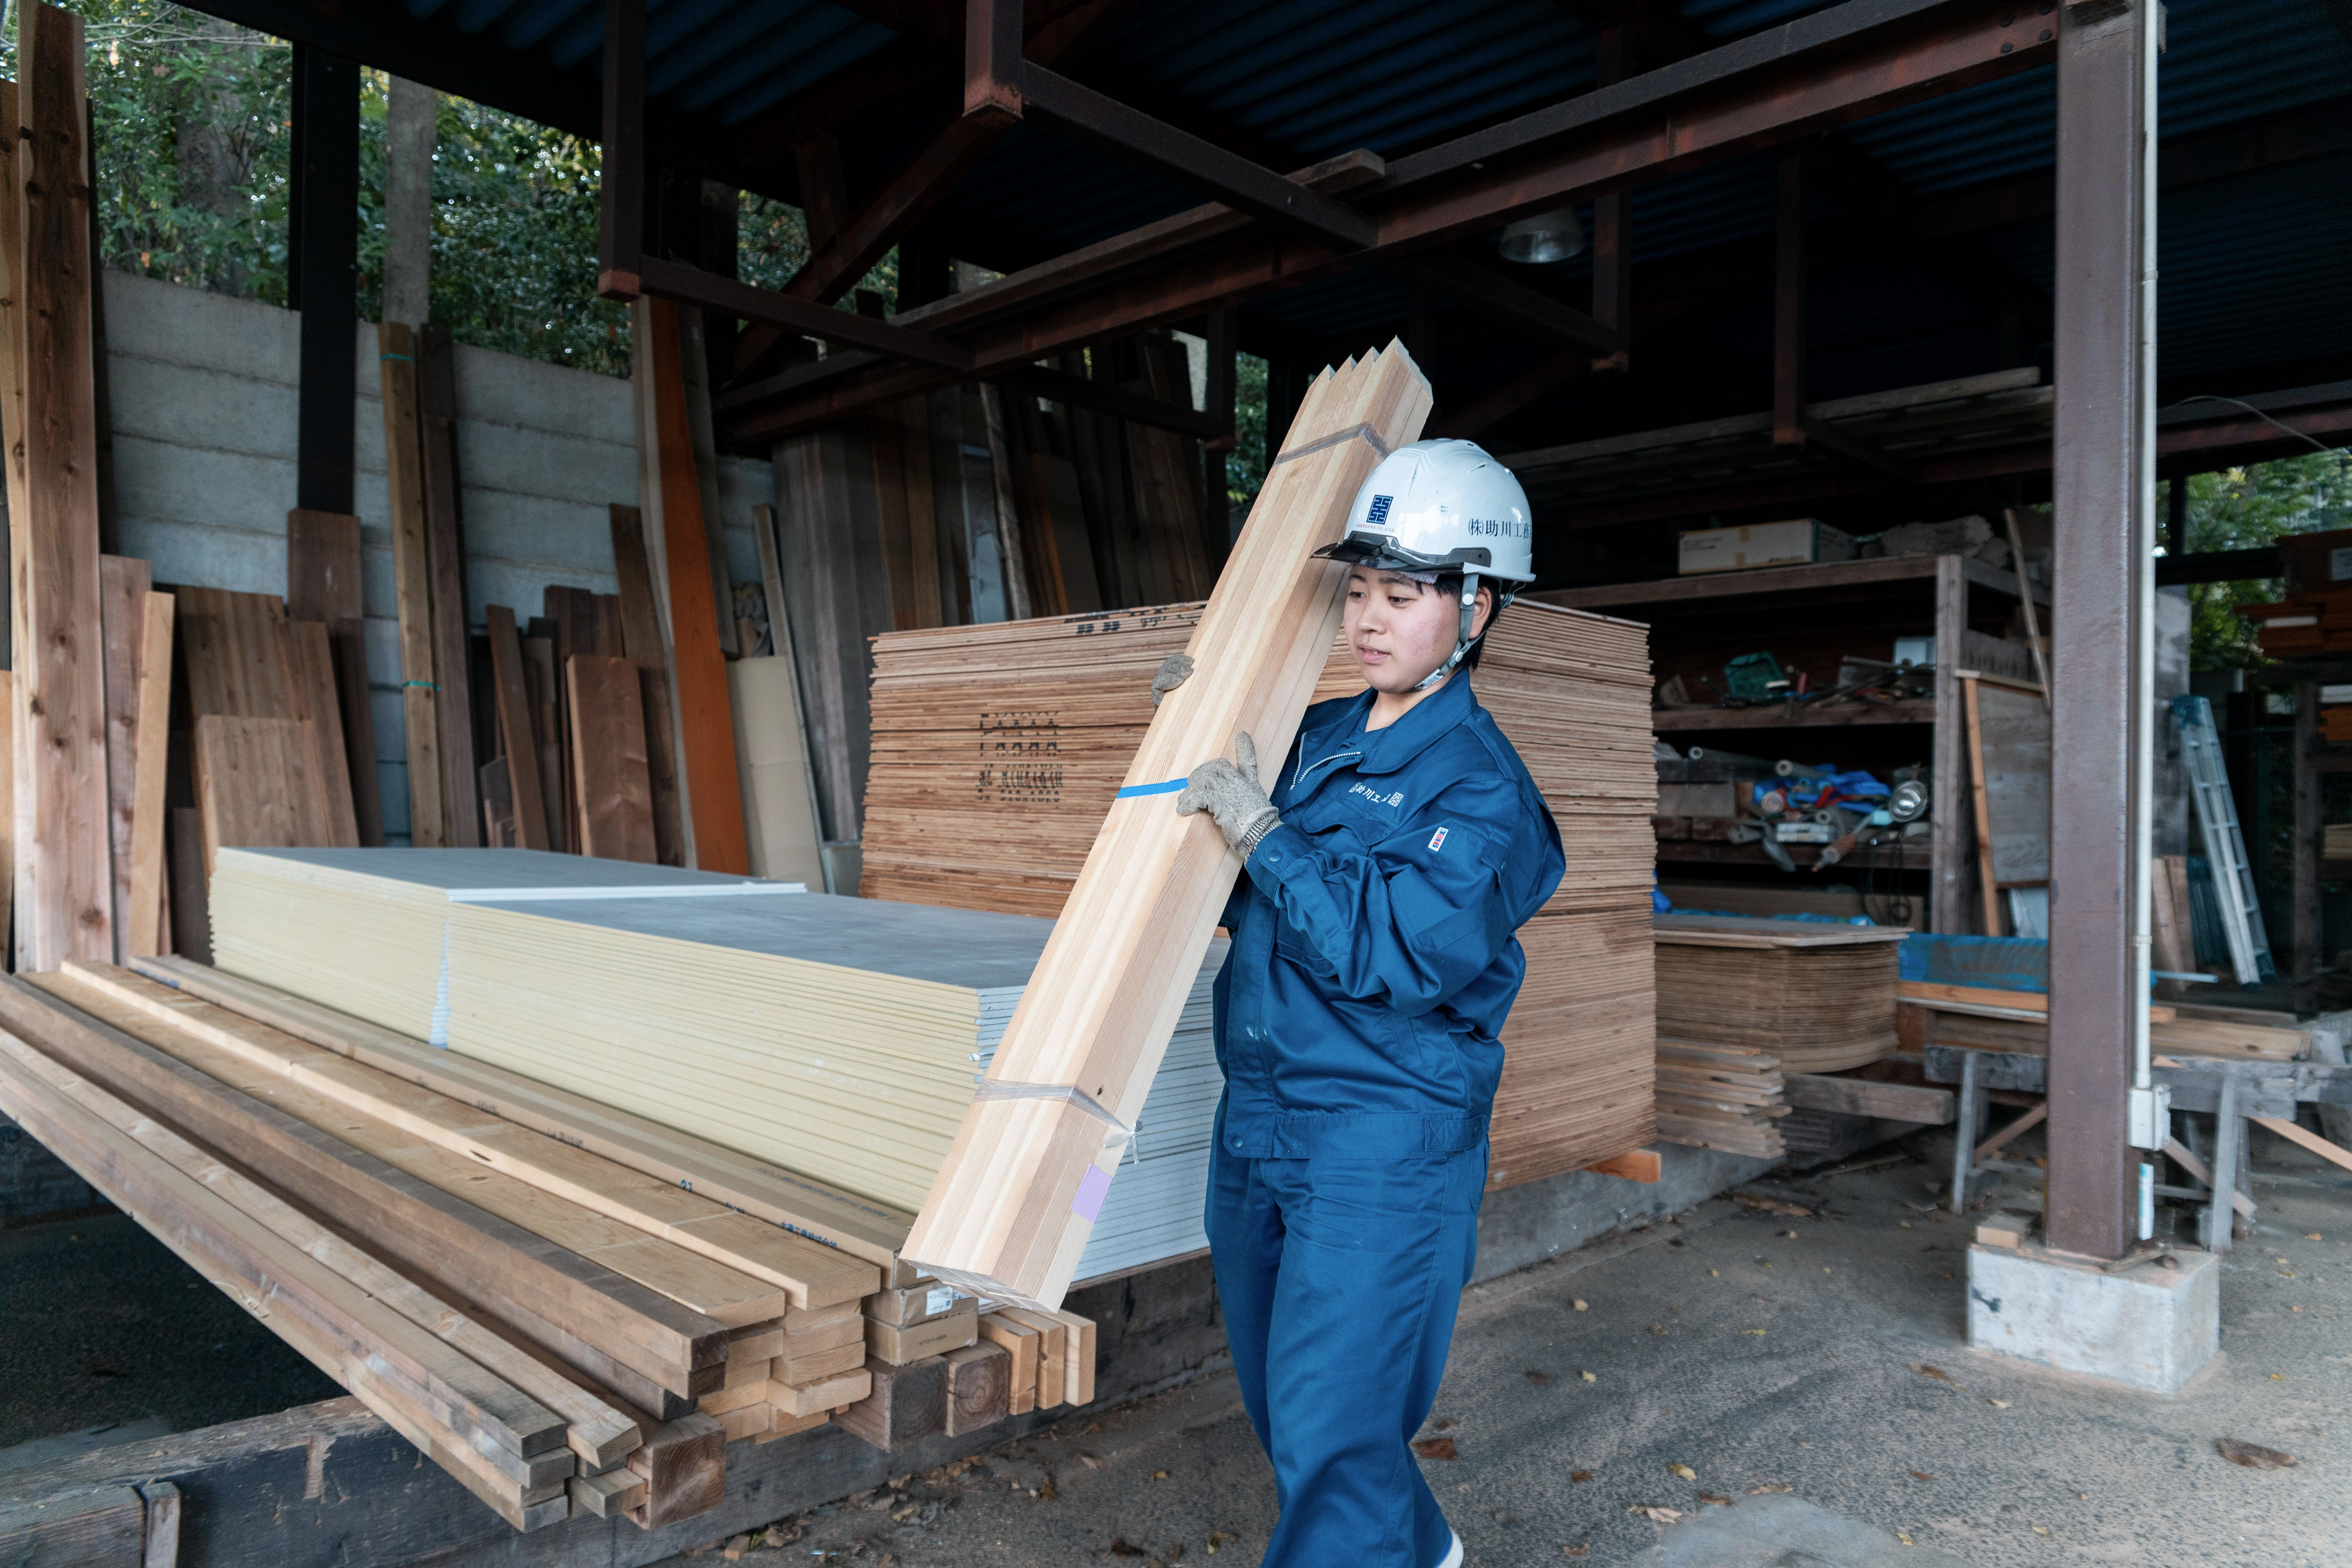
(1992, 963)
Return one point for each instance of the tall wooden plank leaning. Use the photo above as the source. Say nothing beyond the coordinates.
(412, 572)
(1012, 1205)
(713, 795)
(322, 583)
(64, 895)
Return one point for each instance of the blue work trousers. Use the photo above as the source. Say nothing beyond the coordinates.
(1340, 1279)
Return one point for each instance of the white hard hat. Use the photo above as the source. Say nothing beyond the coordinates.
(1438, 507)
(1441, 506)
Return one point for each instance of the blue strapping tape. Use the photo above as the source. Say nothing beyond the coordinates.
(1171, 787)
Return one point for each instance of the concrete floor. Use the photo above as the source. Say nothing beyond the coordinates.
(1810, 1373)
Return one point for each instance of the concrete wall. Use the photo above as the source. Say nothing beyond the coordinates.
(203, 395)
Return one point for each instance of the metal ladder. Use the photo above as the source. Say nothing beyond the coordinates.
(2225, 845)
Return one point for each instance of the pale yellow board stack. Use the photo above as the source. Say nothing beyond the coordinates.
(1013, 1206)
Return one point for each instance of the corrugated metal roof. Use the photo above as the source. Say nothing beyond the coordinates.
(2252, 266)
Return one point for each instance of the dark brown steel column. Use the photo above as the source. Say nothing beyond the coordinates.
(1788, 304)
(2104, 496)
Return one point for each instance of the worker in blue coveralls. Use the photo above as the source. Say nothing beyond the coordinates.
(1359, 1013)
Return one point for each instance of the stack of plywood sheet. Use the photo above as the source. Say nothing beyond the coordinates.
(1820, 997)
(1720, 1096)
(540, 1319)
(997, 750)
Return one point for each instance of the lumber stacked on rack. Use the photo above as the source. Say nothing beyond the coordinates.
(777, 1374)
(998, 748)
(1720, 1096)
(2019, 1021)
(1010, 1211)
(541, 1320)
(1820, 997)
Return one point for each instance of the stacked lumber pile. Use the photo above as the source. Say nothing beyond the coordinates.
(1995, 1020)
(2315, 616)
(541, 1320)
(1010, 1211)
(1820, 997)
(1720, 1096)
(998, 749)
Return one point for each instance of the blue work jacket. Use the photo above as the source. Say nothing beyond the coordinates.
(1373, 960)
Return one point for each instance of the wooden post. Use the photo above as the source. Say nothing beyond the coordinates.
(1948, 862)
(412, 572)
(713, 793)
(64, 903)
(123, 584)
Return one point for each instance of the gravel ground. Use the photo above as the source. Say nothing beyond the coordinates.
(1601, 1402)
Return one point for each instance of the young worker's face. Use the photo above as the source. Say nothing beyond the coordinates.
(1400, 629)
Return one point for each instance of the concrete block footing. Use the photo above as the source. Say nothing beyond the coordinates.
(2149, 1328)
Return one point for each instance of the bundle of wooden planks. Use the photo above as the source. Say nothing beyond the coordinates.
(997, 750)
(1818, 996)
(779, 1375)
(1720, 1096)
(541, 1320)
(1009, 1214)
(2019, 1021)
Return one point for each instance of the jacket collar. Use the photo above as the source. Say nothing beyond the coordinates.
(1386, 751)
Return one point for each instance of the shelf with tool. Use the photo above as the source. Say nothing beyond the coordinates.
(1834, 666)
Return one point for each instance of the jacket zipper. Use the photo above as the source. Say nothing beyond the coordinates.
(1301, 770)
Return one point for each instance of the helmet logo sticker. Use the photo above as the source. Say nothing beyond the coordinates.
(1378, 513)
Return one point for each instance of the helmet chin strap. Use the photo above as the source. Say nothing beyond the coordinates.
(1462, 639)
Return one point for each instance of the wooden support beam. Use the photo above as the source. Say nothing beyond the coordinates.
(1867, 1097)
(2294, 1132)
(621, 189)
(322, 274)
(123, 584)
(1637, 1165)
(143, 921)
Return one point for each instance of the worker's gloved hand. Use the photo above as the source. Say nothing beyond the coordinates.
(1230, 793)
(1173, 672)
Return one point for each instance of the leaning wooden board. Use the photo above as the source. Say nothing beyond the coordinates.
(1010, 1210)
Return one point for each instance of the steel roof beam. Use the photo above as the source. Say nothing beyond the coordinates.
(1837, 65)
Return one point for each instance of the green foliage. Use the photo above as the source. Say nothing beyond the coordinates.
(2243, 509)
(1246, 464)
(194, 138)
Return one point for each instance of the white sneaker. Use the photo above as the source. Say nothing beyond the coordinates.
(1453, 1554)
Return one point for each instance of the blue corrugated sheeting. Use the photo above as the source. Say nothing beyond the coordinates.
(2251, 267)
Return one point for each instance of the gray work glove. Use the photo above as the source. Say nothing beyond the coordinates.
(1231, 795)
(1174, 671)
